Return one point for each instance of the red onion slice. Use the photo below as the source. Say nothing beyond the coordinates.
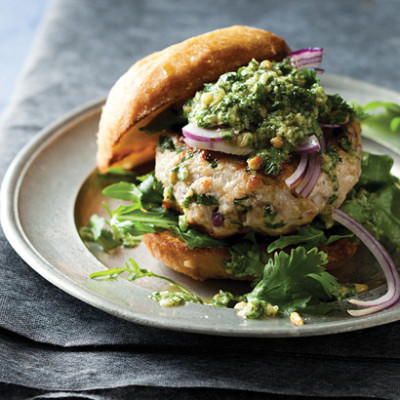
(211, 139)
(306, 58)
(392, 295)
(299, 172)
(311, 176)
(194, 132)
(219, 146)
(308, 145)
(322, 125)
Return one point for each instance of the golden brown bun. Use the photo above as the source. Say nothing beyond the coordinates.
(208, 262)
(163, 78)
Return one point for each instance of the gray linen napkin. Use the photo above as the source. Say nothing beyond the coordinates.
(54, 346)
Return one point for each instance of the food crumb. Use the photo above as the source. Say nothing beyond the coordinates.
(296, 319)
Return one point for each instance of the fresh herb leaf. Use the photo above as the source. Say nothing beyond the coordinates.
(168, 118)
(97, 233)
(375, 170)
(247, 259)
(165, 143)
(389, 106)
(379, 212)
(309, 237)
(240, 203)
(332, 199)
(152, 193)
(305, 235)
(292, 281)
(124, 191)
(194, 238)
(272, 159)
(213, 162)
(206, 200)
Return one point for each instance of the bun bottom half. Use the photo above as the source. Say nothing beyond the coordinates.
(209, 262)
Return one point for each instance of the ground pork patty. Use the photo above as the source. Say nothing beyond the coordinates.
(250, 199)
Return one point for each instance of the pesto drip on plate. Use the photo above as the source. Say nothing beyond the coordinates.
(265, 105)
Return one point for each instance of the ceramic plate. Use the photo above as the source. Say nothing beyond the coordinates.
(52, 188)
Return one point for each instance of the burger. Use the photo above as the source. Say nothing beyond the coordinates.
(251, 156)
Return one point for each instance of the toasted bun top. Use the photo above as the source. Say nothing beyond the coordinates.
(163, 78)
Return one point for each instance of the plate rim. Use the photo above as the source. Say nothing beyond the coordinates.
(15, 234)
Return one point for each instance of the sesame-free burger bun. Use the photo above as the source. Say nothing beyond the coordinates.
(203, 263)
(168, 76)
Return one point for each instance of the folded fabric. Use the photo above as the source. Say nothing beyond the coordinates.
(53, 345)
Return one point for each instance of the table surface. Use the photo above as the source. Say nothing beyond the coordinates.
(19, 21)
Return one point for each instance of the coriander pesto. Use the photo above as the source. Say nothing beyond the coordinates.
(265, 101)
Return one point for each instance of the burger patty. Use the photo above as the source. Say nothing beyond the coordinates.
(219, 194)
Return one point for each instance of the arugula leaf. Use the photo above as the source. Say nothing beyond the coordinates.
(152, 193)
(384, 120)
(168, 118)
(382, 104)
(137, 222)
(305, 235)
(124, 191)
(309, 237)
(135, 272)
(96, 233)
(293, 281)
(148, 195)
(194, 238)
(146, 215)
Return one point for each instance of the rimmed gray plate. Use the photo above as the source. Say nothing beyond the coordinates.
(50, 190)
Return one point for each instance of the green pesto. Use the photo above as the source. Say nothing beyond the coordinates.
(224, 299)
(273, 158)
(329, 161)
(168, 298)
(255, 104)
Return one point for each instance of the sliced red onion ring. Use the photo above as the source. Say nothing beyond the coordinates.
(311, 176)
(211, 139)
(319, 70)
(299, 172)
(194, 132)
(306, 58)
(322, 125)
(308, 145)
(219, 146)
(392, 295)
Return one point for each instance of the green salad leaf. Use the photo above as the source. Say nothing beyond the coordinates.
(292, 281)
(144, 215)
(375, 200)
(310, 236)
(96, 232)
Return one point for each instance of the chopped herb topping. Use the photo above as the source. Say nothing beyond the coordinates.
(212, 161)
(165, 143)
(206, 199)
(240, 203)
(332, 199)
